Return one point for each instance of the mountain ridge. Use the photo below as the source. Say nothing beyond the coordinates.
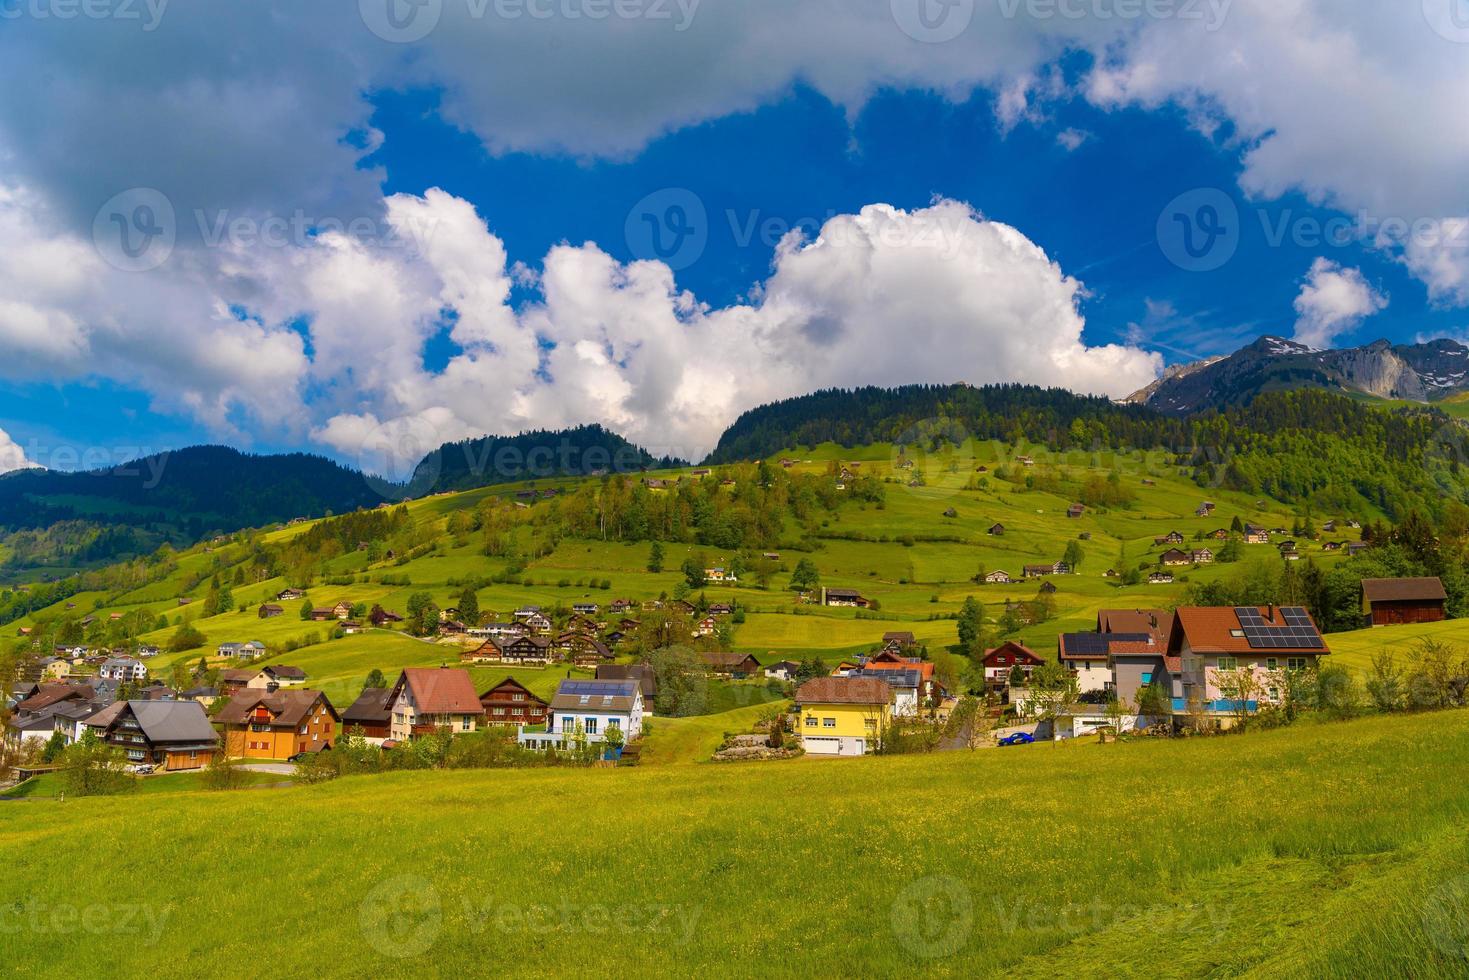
(1424, 372)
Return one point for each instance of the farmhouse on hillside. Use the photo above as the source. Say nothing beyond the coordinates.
(512, 703)
(1390, 601)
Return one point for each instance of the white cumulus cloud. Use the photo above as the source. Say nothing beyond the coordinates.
(1332, 301)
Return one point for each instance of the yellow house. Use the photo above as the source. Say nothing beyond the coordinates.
(843, 715)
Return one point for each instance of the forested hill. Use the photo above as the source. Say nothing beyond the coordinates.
(489, 460)
(1306, 445)
(188, 491)
(1011, 413)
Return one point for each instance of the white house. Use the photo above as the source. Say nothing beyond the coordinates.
(122, 669)
(905, 684)
(244, 651)
(590, 708)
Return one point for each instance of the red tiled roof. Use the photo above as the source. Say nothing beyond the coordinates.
(1212, 629)
(844, 690)
(442, 690)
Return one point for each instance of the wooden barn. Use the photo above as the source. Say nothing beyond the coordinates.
(1390, 601)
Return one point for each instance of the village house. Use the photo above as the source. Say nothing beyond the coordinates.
(784, 670)
(1000, 663)
(1201, 556)
(1391, 601)
(512, 703)
(290, 595)
(370, 716)
(272, 724)
(843, 715)
(1175, 556)
(1172, 537)
(588, 709)
(171, 735)
(905, 684)
(269, 610)
(122, 669)
(843, 597)
(1038, 571)
(998, 577)
(899, 640)
(1255, 534)
(642, 673)
(1212, 641)
(342, 610)
(1160, 578)
(706, 626)
(1075, 510)
(734, 665)
(428, 698)
(241, 651)
(996, 530)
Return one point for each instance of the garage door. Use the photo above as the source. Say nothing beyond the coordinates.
(818, 745)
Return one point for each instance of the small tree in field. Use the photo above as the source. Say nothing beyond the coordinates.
(91, 767)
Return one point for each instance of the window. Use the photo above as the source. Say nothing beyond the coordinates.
(1228, 663)
(1271, 663)
(568, 723)
(811, 721)
(1148, 677)
(1296, 663)
(518, 697)
(871, 723)
(591, 726)
(501, 711)
(466, 723)
(829, 722)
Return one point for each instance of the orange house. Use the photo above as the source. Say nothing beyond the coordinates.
(261, 724)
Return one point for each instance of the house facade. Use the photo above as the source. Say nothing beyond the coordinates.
(843, 715)
(587, 710)
(429, 698)
(512, 703)
(171, 735)
(268, 724)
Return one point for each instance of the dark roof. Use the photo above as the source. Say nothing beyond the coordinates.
(372, 707)
(1396, 589)
(507, 687)
(290, 673)
(596, 695)
(52, 693)
(287, 708)
(727, 659)
(173, 722)
(642, 673)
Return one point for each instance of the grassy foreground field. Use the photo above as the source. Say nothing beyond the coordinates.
(1323, 850)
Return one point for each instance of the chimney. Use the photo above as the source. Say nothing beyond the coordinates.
(1270, 611)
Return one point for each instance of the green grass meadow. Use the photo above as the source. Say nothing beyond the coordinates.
(1326, 850)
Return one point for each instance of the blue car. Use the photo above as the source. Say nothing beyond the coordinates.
(1018, 738)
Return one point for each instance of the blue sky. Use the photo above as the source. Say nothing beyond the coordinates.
(1101, 166)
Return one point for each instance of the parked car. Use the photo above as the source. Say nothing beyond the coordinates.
(142, 769)
(1018, 738)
